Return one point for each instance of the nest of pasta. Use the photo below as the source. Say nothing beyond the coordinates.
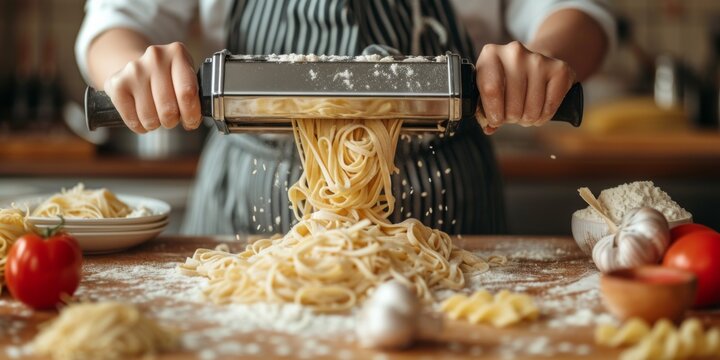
(81, 203)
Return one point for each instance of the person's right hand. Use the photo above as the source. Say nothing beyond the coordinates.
(158, 89)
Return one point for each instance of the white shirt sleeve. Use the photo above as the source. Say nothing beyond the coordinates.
(161, 21)
(524, 17)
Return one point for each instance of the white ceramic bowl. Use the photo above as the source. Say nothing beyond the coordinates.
(110, 242)
(101, 236)
(74, 229)
(587, 232)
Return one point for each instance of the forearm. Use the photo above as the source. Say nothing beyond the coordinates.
(574, 37)
(111, 51)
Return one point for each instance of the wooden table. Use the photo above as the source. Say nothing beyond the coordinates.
(563, 281)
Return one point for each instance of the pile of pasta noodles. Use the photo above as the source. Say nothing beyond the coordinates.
(80, 203)
(12, 226)
(107, 330)
(343, 245)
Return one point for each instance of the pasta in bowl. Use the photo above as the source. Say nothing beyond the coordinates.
(79, 206)
(101, 221)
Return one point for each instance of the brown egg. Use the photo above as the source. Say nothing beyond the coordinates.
(648, 292)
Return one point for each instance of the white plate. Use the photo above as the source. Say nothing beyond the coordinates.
(104, 243)
(110, 228)
(159, 208)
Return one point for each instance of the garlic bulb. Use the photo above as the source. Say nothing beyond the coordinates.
(389, 318)
(393, 318)
(641, 239)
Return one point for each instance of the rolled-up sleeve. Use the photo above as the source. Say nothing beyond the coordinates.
(161, 21)
(524, 17)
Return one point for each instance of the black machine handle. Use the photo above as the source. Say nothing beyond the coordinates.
(571, 108)
(100, 111)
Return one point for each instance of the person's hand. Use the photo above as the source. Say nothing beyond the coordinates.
(158, 89)
(518, 86)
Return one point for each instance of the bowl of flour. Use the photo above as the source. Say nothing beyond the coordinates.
(588, 227)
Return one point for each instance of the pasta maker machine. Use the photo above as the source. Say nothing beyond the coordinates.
(242, 93)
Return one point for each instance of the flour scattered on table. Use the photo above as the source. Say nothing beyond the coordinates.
(170, 297)
(589, 281)
(564, 284)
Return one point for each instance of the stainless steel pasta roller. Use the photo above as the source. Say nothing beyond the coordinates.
(242, 93)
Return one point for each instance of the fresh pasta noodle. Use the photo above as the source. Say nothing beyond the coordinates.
(503, 309)
(662, 341)
(12, 226)
(83, 204)
(343, 245)
(99, 331)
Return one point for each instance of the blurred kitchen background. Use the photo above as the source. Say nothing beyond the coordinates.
(652, 114)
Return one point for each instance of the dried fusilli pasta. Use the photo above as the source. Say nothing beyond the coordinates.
(662, 341)
(503, 309)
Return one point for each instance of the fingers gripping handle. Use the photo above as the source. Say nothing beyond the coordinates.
(100, 111)
(569, 111)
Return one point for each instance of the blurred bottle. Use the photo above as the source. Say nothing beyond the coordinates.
(49, 103)
(644, 79)
(24, 87)
(677, 85)
(713, 87)
(7, 61)
(711, 79)
(50, 99)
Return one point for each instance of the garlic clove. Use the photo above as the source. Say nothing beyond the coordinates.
(382, 327)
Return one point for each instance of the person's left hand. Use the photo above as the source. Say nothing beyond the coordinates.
(518, 86)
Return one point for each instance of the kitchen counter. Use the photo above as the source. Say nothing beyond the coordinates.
(541, 169)
(552, 269)
(559, 153)
(100, 166)
(538, 164)
(548, 154)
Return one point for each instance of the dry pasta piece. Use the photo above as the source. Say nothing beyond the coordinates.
(98, 331)
(503, 309)
(662, 341)
(344, 244)
(632, 332)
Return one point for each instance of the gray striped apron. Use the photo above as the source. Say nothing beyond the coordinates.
(448, 183)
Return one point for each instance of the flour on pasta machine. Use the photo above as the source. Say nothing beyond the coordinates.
(242, 93)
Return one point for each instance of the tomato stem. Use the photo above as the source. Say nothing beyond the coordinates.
(50, 232)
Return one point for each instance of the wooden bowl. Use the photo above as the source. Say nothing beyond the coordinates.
(648, 292)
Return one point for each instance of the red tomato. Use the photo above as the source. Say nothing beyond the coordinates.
(699, 252)
(40, 270)
(684, 229)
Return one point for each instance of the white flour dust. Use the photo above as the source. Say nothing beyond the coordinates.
(211, 331)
